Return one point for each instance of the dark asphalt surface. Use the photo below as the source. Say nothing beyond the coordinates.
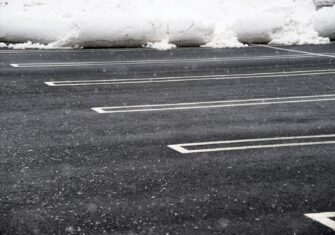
(65, 169)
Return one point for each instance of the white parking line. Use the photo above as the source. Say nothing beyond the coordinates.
(23, 51)
(323, 218)
(215, 104)
(298, 51)
(246, 144)
(167, 61)
(69, 50)
(189, 78)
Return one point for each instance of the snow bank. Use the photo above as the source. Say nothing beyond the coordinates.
(162, 24)
(325, 22)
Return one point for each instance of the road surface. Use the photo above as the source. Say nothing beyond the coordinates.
(186, 141)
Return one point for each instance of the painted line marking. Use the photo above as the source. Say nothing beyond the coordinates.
(69, 50)
(214, 104)
(247, 144)
(189, 78)
(298, 51)
(323, 218)
(167, 61)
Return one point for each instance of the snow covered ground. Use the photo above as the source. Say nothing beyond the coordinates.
(162, 24)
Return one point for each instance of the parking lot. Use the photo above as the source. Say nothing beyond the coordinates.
(184, 141)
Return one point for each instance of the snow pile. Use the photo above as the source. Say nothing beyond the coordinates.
(162, 45)
(323, 3)
(162, 24)
(325, 22)
(29, 45)
(289, 22)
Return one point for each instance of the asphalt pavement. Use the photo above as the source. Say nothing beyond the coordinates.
(184, 141)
